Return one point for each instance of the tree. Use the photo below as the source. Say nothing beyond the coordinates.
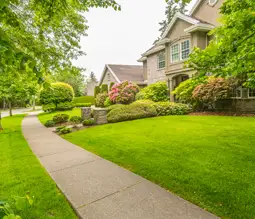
(171, 9)
(73, 76)
(232, 50)
(92, 77)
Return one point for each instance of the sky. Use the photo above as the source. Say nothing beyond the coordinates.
(120, 37)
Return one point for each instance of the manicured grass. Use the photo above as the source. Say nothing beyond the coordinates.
(84, 99)
(21, 173)
(207, 160)
(44, 117)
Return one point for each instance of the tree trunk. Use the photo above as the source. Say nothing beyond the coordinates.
(1, 127)
(10, 108)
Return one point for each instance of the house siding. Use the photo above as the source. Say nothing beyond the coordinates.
(153, 74)
(108, 78)
(207, 13)
(178, 30)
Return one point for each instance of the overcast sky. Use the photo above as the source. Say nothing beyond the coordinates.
(120, 37)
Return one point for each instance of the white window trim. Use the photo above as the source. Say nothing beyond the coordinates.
(175, 53)
(212, 4)
(249, 94)
(241, 89)
(158, 68)
(180, 50)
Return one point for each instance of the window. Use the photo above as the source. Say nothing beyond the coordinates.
(161, 60)
(251, 93)
(213, 2)
(175, 53)
(185, 49)
(237, 93)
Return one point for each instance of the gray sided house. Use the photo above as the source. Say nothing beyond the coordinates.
(119, 73)
(165, 60)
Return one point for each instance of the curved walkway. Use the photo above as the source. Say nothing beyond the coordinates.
(99, 189)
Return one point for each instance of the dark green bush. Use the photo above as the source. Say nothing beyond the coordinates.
(83, 105)
(59, 128)
(60, 118)
(49, 107)
(156, 92)
(76, 119)
(100, 99)
(65, 106)
(170, 108)
(88, 122)
(50, 123)
(96, 91)
(57, 93)
(84, 99)
(65, 130)
(104, 88)
(131, 112)
(115, 106)
(111, 84)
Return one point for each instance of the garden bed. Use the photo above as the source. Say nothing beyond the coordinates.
(221, 114)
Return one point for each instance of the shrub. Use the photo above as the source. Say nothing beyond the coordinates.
(150, 102)
(57, 93)
(111, 85)
(59, 128)
(50, 123)
(115, 106)
(65, 106)
(104, 88)
(100, 99)
(65, 130)
(107, 102)
(49, 107)
(156, 92)
(76, 119)
(83, 105)
(184, 92)
(123, 92)
(60, 118)
(88, 122)
(84, 99)
(131, 112)
(215, 89)
(170, 108)
(96, 91)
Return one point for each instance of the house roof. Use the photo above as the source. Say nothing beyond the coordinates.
(125, 73)
(196, 5)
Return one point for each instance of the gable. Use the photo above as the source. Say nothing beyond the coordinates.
(206, 12)
(177, 29)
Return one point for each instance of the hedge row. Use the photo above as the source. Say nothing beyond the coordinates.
(84, 99)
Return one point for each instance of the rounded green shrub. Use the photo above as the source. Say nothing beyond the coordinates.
(83, 105)
(57, 93)
(100, 99)
(107, 102)
(65, 106)
(170, 108)
(76, 119)
(49, 107)
(50, 123)
(131, 112)
(59, 128)
(65, 130)
(96, 91)
(156, 92)
(88, 122)
(60, 118)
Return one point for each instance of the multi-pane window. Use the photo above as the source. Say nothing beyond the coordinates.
(185, 49)
(175, 53)
(237, 93)
(161, 60)
(251, 93)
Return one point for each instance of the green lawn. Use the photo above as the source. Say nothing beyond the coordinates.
(21, 173)
(207, 160)
(43, 117)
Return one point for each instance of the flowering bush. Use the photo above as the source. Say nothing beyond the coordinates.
(123, 92)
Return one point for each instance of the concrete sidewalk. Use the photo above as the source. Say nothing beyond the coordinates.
(99, 189)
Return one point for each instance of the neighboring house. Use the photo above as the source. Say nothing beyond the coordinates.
(165, 60)
(119, 73)
(90, 87)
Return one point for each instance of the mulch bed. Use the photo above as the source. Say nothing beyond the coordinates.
(221, 114)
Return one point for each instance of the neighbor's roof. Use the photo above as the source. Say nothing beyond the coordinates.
(125, 73)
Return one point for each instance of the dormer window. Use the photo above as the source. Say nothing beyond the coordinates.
(213, 2)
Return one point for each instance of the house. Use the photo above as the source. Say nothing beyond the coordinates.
(119, 73)
(165, 60)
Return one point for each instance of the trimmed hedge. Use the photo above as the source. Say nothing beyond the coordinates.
(49, 123)
(170, 108)
(57, 93)
(76, 119)
(96, 91)
(131, 112)
(100, 99)
(65, 106)
(88, 122)
(83, 105)
(60, 118)
(84, 99)
(104, 88)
